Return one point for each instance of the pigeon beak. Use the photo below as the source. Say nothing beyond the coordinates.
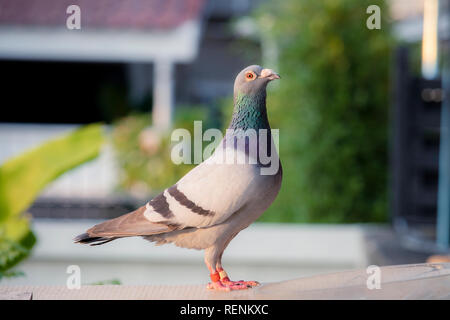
(269, 74)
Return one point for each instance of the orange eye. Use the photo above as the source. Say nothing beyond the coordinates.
(250, 75)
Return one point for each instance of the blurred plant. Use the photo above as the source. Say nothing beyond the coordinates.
(331, 106)
(107, 282)
(23, 178)
(144, 155)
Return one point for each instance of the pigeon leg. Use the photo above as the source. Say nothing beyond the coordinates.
(215, 283)
(219, 278)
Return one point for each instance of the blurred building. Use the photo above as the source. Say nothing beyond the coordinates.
(132, 55)
(129, 32)
(171, 51)
(419, 140)
(407, 16)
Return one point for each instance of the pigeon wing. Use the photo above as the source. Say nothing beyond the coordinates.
(208, 195)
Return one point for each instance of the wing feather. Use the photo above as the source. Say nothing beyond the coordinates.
(208, 195)
(131, 224)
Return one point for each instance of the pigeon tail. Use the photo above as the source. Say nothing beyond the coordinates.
(85, 238)
(129, 225)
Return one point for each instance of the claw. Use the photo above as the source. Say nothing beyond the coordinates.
(241, 284)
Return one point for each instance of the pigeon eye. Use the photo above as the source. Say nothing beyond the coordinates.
(250, 75)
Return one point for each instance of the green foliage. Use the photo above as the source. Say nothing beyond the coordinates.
(145, 173)
(107, 282)
(23, 177)
(14, 248)
(331, 106)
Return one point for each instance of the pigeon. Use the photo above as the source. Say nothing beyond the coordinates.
(219, 197)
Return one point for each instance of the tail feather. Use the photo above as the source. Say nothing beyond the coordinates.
(128, 225)
(85, 238)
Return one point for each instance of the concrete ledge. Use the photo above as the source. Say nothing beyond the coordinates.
(417, 281)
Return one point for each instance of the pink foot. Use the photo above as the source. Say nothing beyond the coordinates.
(228, 285)
(240, 285)
(221, 282)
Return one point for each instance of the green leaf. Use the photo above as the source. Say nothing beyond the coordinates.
(24, 177)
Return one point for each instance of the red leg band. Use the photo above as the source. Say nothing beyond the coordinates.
(215, 276)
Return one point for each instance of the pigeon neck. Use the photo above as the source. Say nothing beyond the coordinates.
(250, 112)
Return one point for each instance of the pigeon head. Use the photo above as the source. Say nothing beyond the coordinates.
(253, 79)
(250, 98)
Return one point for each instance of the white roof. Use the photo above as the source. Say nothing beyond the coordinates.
(179, 44)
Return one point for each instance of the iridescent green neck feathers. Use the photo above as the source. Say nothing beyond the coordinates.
(250, 112)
